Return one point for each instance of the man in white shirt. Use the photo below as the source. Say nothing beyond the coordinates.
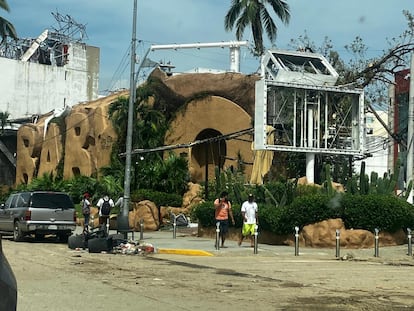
(249, 211)
(105, 204)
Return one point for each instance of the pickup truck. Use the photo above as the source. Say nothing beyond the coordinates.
(38, 213)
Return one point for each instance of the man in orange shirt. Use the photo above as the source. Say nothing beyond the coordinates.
(222, 213)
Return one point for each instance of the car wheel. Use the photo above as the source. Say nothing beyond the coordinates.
(63, 237)
(17, 232)
(39, 236)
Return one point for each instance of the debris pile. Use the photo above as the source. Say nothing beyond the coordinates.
(133, 248)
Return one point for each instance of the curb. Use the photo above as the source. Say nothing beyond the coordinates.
(188, 252)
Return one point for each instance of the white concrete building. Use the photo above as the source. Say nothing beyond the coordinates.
(38, 75)
(376, 144)
(55, 74)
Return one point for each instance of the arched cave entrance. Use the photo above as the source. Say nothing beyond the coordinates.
(209, 155)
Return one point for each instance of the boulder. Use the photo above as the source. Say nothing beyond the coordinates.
(323, 234)
(147, 211)
(193, 196)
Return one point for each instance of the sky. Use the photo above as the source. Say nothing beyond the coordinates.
(109, 27)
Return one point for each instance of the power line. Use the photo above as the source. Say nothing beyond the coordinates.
(192, 144)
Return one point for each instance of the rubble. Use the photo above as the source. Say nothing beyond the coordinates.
(134, 248)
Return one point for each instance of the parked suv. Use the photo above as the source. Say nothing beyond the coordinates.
(39, 213)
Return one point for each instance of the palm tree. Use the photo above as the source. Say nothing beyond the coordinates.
(254, 13)
(6, 28)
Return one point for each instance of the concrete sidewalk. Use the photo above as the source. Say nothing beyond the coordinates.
(186, 242)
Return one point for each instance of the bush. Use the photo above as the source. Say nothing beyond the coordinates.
(269, 217)
(204, 214)
(159, 198)
(306, 210)
(385, 212)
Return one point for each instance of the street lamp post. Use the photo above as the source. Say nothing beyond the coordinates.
(127, 181)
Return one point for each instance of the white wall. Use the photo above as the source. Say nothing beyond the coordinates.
(28, 88)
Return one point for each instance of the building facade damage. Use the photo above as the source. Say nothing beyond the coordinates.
(46, 74)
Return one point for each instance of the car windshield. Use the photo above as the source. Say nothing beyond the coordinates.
(51, 200)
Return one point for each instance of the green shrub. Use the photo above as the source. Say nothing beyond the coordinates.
(305, 190)
(159, 198)
(269, 217)
(238, 220)
(385, 212)
(306, 210)
(277, 189)
(203, 213)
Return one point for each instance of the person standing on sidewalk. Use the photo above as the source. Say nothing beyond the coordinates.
(222, 212)
(249, 211)
(86, 211)
(105, 205)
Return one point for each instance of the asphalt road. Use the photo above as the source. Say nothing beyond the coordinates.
(50, 276)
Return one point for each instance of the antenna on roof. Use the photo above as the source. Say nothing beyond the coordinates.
(69, 28)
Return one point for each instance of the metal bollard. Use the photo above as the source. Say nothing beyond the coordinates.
(338, 243)
(255, 239)
(296, 241)
(141, 229)
(217, 235)
(410, 245)
(175, 227)
(376, 252)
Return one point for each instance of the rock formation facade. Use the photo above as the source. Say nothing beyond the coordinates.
(82, 141)
(226, 107)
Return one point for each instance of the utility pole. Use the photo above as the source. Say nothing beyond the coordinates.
(127, 181)
(410, 125)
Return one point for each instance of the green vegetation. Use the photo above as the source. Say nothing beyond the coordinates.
(159, 198)
(387, 213)
(6, 28)
(150, 169)
(285, 204)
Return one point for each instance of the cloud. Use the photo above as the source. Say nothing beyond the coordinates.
(109, 26)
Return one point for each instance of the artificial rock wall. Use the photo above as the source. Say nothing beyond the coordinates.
(83, 140)
(228, 108)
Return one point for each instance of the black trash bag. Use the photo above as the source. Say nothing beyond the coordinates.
(97, 233)
(117, 239)
(77, 241)
(98, 245)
